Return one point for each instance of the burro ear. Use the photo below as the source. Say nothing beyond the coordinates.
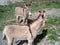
(26, 4)
(43, 11)
(30, 4)
(39, 11)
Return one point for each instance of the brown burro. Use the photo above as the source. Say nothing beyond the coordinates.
(21, 32)
(22, 13)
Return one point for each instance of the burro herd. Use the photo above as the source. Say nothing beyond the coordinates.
(24, 32)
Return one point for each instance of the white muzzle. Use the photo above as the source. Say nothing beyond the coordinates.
(30, 13)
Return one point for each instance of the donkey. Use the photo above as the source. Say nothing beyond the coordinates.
(43, 15)
(22, 13)
(21, 32)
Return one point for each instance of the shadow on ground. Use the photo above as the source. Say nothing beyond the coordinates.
(40, 37)
(36, 40)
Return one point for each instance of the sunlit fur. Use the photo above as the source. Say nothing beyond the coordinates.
(21, 32)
